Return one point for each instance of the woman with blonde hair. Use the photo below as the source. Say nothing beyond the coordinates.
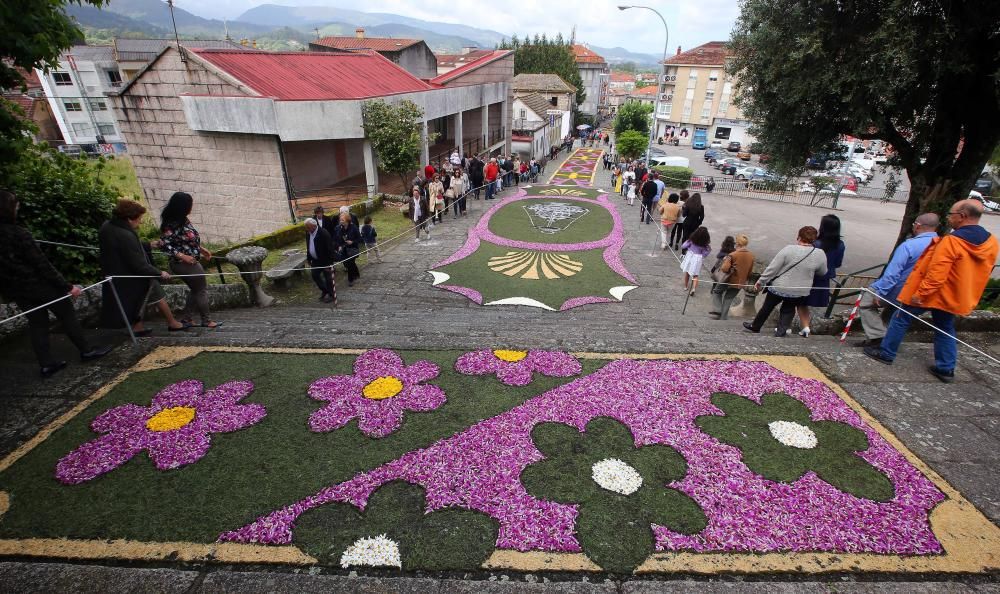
(737, 266)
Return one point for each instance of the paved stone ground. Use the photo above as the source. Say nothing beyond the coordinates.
(955, 428)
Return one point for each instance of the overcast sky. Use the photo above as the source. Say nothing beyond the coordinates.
(599, 22)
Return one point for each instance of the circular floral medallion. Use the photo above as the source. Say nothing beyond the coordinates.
(170, 419)
(614, 475)
(382, 388)
(793, 435)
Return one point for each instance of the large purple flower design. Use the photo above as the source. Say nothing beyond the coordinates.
(381, 388)
(515, 368)
(175, 430)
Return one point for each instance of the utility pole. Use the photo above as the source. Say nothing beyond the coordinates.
(177, 38)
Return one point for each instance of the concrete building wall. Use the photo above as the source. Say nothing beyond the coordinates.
(417, 59)
(593, 84)
(501, 70)
(564, 101)
(320, 164)
(236, 179)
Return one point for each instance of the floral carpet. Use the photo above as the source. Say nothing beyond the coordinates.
(579, 169)
(497, 458)
(548, 247)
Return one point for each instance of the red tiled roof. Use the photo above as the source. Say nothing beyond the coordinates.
(712, 53)
(315, 76)
(648, 90)
(493, 55)
(585, 55)
(622, 77)
(25, 102)
(379, 44)
(445, 60)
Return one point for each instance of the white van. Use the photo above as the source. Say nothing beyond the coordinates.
(670, 161)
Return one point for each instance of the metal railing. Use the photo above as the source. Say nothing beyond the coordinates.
(304, 201)
(854, 280)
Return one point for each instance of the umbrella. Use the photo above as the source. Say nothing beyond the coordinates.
(583, 126)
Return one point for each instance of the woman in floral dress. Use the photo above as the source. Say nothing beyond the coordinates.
(182, 243)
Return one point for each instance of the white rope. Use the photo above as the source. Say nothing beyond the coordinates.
(43, 306)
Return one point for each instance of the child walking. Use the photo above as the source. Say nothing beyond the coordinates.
(698, 246)
(370, 236)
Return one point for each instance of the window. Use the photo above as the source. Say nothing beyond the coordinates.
(72, 106)
(709, 95)
(81, 129)
(687, 110)
(62, 79)
(665, 109)
(693, 75)
(727, 88)
(689, 95)
(722, 133)
(723, 106)
(114, 77)
(106, 130)
(554, 101)
(705, 112)
(98, 105)
(713, 76)
(524, 114)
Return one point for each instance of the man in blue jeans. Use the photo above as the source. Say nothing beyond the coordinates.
(948, 280)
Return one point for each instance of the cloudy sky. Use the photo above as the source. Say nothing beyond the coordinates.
(599, 22)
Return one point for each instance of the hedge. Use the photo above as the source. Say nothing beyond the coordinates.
(675, 177)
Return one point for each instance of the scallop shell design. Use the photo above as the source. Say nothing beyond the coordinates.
(535, 265)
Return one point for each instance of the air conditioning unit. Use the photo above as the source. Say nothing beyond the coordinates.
(673, 77)
(666, 78)
(666, 97)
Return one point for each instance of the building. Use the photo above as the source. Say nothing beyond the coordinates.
(36, 108)
(77, 88)
(644, 95)
(560, 94)
(617, 98)
(537, 125)
(448, 62)
(132, 55)
(648, 78)
(412, 54)
(623, 81)
(259, 138)
(696, 93)
(595, 74)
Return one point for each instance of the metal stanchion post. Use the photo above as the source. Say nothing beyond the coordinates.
(121, 309)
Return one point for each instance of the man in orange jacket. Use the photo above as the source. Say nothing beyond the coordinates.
(948, 280)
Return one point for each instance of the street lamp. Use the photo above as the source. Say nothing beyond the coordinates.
(656, 104)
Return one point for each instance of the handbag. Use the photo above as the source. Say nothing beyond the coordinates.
(780, 274)
(721, 277)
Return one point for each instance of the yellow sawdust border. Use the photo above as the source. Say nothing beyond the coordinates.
(971, 542)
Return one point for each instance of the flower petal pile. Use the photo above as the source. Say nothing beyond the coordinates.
(516, 368)
(658, 401)
(378, 393)
(175, 430)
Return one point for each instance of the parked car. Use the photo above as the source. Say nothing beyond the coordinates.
(729, 166)
(719, 163)
(716, 144)
(764, 158)
(817, 161)
(743, 155)
(734, 147)
(669, 161)
(749, 172)
(984, 186)
(712, 155)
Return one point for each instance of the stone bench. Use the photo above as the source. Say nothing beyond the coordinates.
(294, 262)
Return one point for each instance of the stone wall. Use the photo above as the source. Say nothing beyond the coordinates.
(236, 179)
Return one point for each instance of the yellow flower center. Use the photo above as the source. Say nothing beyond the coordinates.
(382, 388)
(170, 419)
(510, 356)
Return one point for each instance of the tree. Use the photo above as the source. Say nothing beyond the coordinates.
(394, 131)
(630, 144)
(633, 115)
(35, 33)
(544, 56)
(921, 75)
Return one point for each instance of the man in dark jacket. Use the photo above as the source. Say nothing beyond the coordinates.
(320, 257)
(476, 175)
(648, 191)
(28, 279)
(347, 241)
(324, 221)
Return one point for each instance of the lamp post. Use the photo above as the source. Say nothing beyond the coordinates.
(656, 104)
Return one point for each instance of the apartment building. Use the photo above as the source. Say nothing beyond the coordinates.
(77, 88)
(595, 73)
(696, 93)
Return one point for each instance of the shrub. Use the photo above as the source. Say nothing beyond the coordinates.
(63, 200)
(675, 177)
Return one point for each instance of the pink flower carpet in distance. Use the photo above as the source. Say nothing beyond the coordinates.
(583, 162)
(659, 401)
(378, 393)
(517, 368)
(175, 430)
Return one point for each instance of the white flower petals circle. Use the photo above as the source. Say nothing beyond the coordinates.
(380, 551)
(614, 475)
(793, 435)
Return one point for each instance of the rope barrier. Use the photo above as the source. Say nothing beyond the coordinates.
(44, 305)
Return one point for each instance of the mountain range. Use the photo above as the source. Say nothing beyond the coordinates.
(292, 27)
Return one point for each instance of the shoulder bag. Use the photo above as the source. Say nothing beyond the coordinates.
(780, 274)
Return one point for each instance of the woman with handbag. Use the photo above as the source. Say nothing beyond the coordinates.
(828, 241)
(435, 199)
(787, 280)
(731, 276)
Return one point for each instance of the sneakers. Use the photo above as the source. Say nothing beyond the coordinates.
(945, 376)
(876, 353)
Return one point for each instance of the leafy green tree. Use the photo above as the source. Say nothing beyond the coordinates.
(544, 56)
(35, 32)
(394, 131)
(633, 115)
(919, 74)
(62, 199)
(631, 143)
